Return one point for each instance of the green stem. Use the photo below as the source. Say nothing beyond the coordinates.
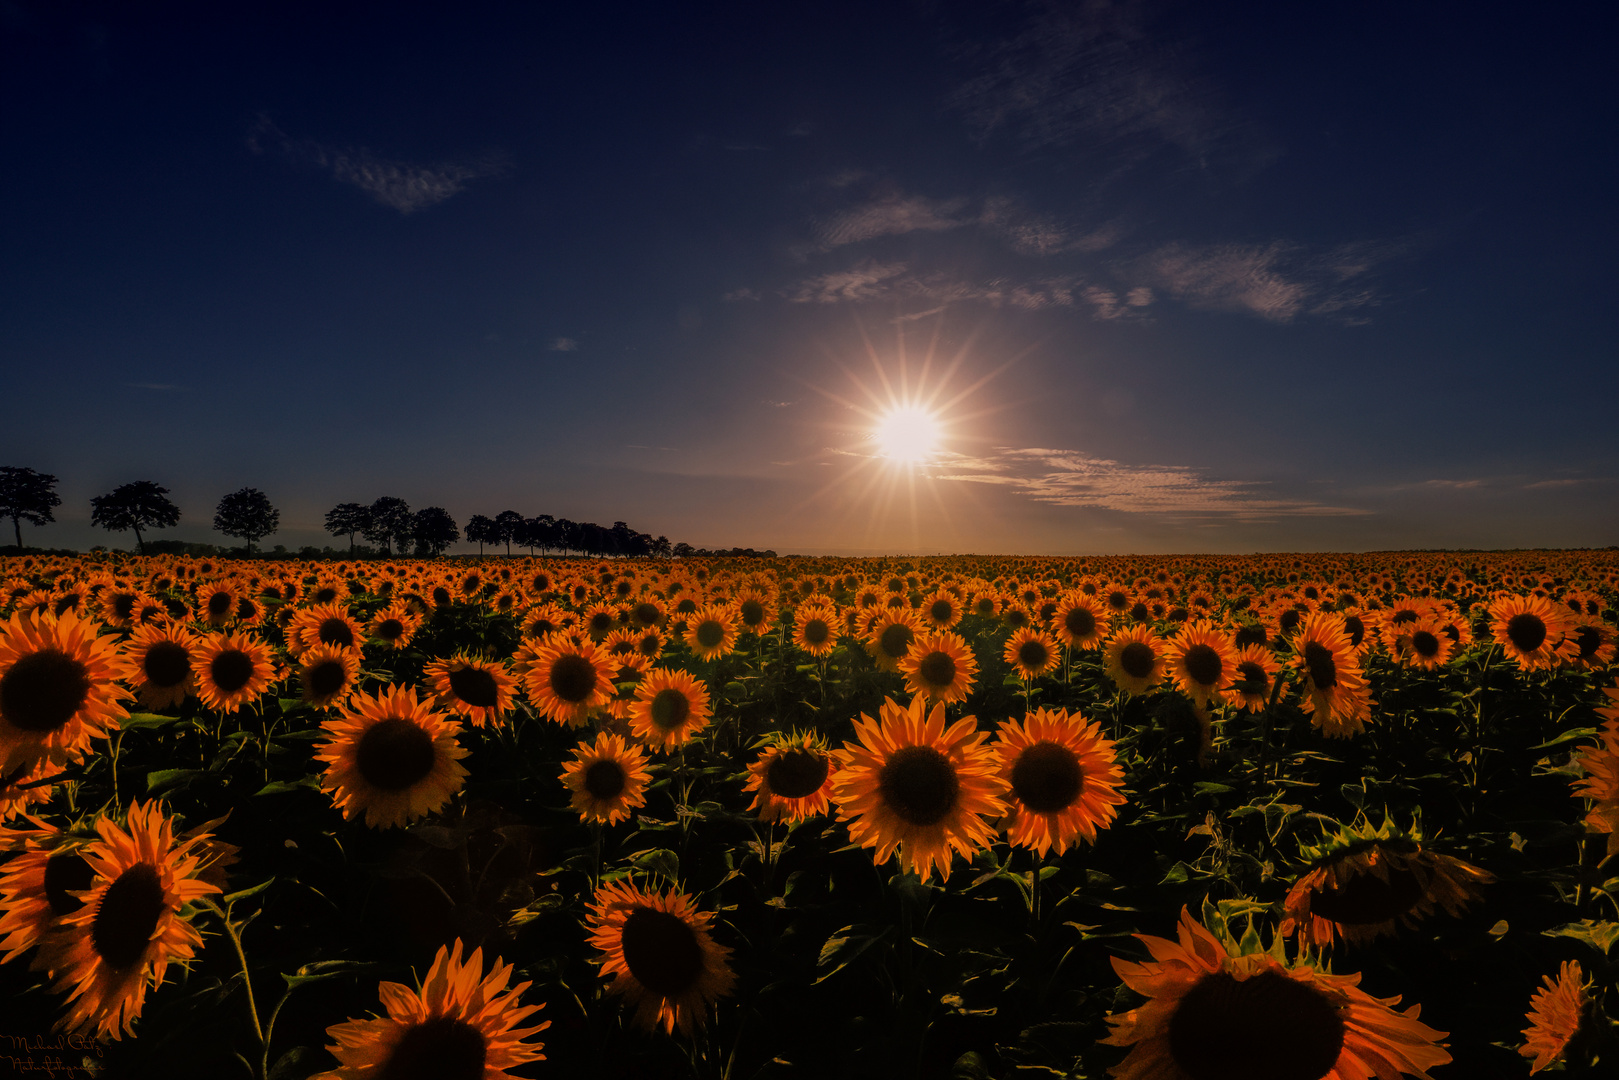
(247, 979)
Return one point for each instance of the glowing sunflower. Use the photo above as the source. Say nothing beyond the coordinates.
(478, 689)
(1335, 691)
(232, 670)
(940, 667)
(106, 953)
(1600, 783)
(1529, 630)
(711, 631)
(394, 625)
(391, 756)
(1254, 672)
(58, 689)
(657, 948)
(160, 660)
(792, 779)
(891, 635)
(1134, 658)
(607, 780)
(328, 675)
(1202, 661)
(460, 1024)
(1556, 1012)
(543, 620)
(1032, 653)
(37, 884)
(1235, 1009)
(1591, 644)
(754, 611)
(815, 628)
(910, 784)
(1422, 644)
(217, 604)
(1367, 881)
(567, 681)
(1080, 621)
(941, 611)
(1063, 777)
(670, 707)
(19, 790)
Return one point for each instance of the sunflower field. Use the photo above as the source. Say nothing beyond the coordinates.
(1154, 818)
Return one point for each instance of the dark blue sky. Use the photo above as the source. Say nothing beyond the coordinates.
(1183, 277)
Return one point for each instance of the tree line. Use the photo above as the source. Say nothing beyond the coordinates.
(27, 495)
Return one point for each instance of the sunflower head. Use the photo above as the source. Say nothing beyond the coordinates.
(1064, 779)
(658, 951)
(607, 779)
(792, 777)
(939, 666)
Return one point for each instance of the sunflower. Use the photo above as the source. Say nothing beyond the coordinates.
(1529, 630)
(607, 780)
(543, 620)
(711, 631)
(122, 607)
(1600, 782)
(19, 789)
(1080, 621)
(1063, 777)
(1422, 644)
(58, 689)
(1032, 653)
(891, 635)
(478, 689)
(1556, 1013)
(940, 667)
(815, 628)
(1590, 644)
(161, 664)
(649, 643)
(1135, 659)
(323, 624)
(1336, 695)
(911, 784)
(394, 625)
(105, 953)
(217, 604)
(1366, 881)
(567, 681)
(657, 948)
(1202, 661)
(600, 620)
(232, 670)
(1254, 672)
(459, 1024)
(792, 779)
(390, 755)
(37, 883)
(1224, 1008)
(670, 707)
(328, 675)
(941, 611)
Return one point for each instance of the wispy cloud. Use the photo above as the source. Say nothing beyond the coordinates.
(401, 185)
(564, 344)
(1278, 281)
(736, 295)
(894, 281)
(891, 214)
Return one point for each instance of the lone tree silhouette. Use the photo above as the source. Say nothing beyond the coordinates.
(434, 531)
(391, 520)
(348, 518)
(246, 514)
(133, 506)
(26, 495)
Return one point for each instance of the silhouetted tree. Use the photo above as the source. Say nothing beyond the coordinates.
(348, 518)
(133, 506)
(391, 520)
(510, 524)
(434, 531)
(538, 532)
(567, 535)
(683, 549)
(26, 495)
(246, 514)
(660, 548)
(481, 530)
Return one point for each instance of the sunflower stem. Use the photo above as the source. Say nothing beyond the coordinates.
(247, 978)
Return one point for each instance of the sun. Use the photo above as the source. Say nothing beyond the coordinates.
(907, 435)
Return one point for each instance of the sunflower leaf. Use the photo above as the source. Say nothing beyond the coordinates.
(1599, 935)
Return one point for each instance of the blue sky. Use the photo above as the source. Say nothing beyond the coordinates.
(1178, 277)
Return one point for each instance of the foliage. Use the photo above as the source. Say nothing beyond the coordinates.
(134, 506)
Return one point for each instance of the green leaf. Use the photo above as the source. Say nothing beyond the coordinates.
(844, 947)
(1209, 787)
(171, 779)
(1599, 935)
(243, 894)
(281, 787)
(145, 721)
(326, 969)
(659, 861)
(1567, 736)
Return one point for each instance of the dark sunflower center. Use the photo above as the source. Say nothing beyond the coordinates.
(1323, 667)
(441, 1048)
(919, 784)
(601, 623)
(1265, 1027)
(1356, 628)
(573, 677)
(394, 754)
(1118, 601)
(1404, 615)
(1080, 622)
(123, 605)
(941, 611)
(1288, 620)
(129, 911)
(753, 613)
(816, 632)
(390, 629)
(1140, 612)
(661, 951)
(219, 605)
(796, 773)
(1250, 634)
(326, 678)
(670, 709)
(1137, 659)
(1047, 778)
(1033, 654)
(1204, 665)
(647, 613)
(441, 595)
(937, 669)
(166, 664)
(324, 595)
(1526, 631)
(66, 874)
(895, 641)
(1251, 678)
(335, 631)
(43, 690)
(710, 633)
(1424, 644)
(1016, 618)
(475, 686)
(604, 779)
(1366, 898)
(231, 670)
(1589, 639)
(986, 606)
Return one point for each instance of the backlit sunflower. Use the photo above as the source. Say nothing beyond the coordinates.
(1367, 881)
(941, 611)
(940, 667)
(19, 788)
(660, 955)
(122, 607)
(394, 625)
(1421, 644)
(1556, 1012)
(670, 707)
(792, 779)
(1063, 777)
(478, 689)
(37, 883)
(891, 635)
(567, 681)
(909, 784)
(1600, 784)
(606, 779)
(1134, 658)
(323, 624)
(1335, 691)
(1221, 1009)
(1032, 653)
(58, 689)
(459, 1025)
(755, 611)
(600, 620)
(327, 675)
(1255, 671)
(711, 631)
(1080, 621)
(216, 604)
(160, 663)
(232, 670)
(543, 620)
(392, 757)
(130, 926)
(1590, 644)
(815, 628)
(1529, 630)
(1202, 661)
